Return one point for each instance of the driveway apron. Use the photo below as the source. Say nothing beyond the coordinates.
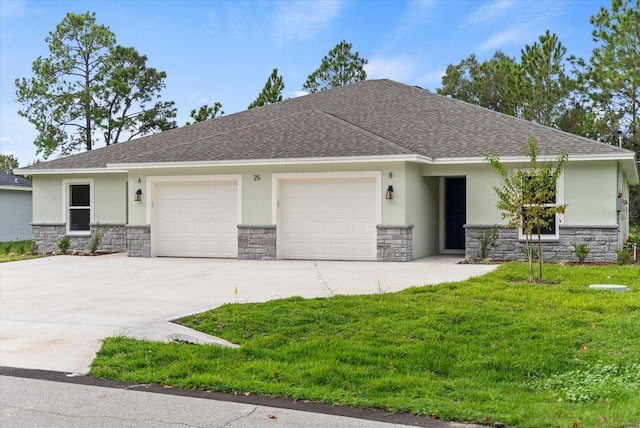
(55, 311)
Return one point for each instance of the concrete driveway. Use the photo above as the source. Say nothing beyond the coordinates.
(55, 311)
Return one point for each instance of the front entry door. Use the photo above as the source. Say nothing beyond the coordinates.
(455, 212)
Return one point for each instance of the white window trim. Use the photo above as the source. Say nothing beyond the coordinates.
(66, 199)
(559, 217)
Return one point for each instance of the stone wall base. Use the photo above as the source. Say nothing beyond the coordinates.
(257, 242)
(47, 235)
(602, 241)
(395, 243)
(139, 240)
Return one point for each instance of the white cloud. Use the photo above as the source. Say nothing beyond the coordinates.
(432, 79)
(297, 94)
(418, 14)
(400, 68)
(519, 29)
(514, 35)
(488, 13)
(298, 20)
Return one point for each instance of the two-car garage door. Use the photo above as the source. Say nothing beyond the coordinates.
(196, 219)
(328, 219)
(318, 219)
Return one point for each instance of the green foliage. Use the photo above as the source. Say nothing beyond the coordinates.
(474, 351)
(613, 75)
(63, 244)
(582, 251)
(339, 67)
(595, 382)
(8, 163)
(17, 250)
(524, 195)
(545, 85)
(625, 256)
(482, 84)
(535, 89)
(90, 86)
(96, 237)
(206, 112)
(487, 242)
(272, 91)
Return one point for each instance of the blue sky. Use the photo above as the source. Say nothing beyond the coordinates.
(225, 50)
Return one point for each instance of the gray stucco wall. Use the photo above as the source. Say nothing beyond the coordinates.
(15, 215)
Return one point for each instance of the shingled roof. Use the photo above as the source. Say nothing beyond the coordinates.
(364, 119)
(13, 181)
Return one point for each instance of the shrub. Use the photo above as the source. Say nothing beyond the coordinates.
(63, 244)
(533, 250)
(6, 248)
(94, 243)
(624, 256)
(487, 242)
(582, 251)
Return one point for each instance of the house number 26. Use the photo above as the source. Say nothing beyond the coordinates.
(256, 177)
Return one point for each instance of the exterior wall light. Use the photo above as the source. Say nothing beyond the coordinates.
(389, 193)
(138, 196)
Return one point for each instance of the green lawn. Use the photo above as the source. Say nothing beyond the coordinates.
(488, 349)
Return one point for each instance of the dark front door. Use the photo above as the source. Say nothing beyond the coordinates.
(455, 212)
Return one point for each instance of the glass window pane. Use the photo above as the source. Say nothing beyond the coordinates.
(551, 227)
(79, 195)
(79, 219)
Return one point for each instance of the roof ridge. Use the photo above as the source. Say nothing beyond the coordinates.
(364, 131)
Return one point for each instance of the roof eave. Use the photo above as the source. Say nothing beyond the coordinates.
(17, 188)
(267, 162)
(58, 171)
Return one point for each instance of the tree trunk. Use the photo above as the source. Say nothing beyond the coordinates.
(529, 257)
(539, 257)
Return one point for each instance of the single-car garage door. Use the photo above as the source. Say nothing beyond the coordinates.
(196, 219)
(328, 219)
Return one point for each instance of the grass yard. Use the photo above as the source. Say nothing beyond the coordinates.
(490, 349)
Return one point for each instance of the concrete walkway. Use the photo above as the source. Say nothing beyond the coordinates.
(55, 311)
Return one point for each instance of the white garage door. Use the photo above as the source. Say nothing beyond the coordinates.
(197, 219)
(328, 220)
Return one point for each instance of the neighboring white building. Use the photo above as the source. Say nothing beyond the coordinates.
(15, 208)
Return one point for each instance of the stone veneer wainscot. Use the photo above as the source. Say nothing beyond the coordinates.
(257, 242)
(395, 243)
(602, 241)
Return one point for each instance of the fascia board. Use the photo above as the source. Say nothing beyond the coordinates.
(17, 188)
(267, 162)
(68, 171)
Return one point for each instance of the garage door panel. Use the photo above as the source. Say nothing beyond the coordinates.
(196, 219)
(316, 228)
(363, 251)
(331, 220)
(340, 229)
(317, 249)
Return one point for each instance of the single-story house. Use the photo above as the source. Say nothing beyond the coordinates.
(374, 170)
(15, 208)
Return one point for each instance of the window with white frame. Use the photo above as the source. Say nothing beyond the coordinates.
(556, 197)
(79, 206)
